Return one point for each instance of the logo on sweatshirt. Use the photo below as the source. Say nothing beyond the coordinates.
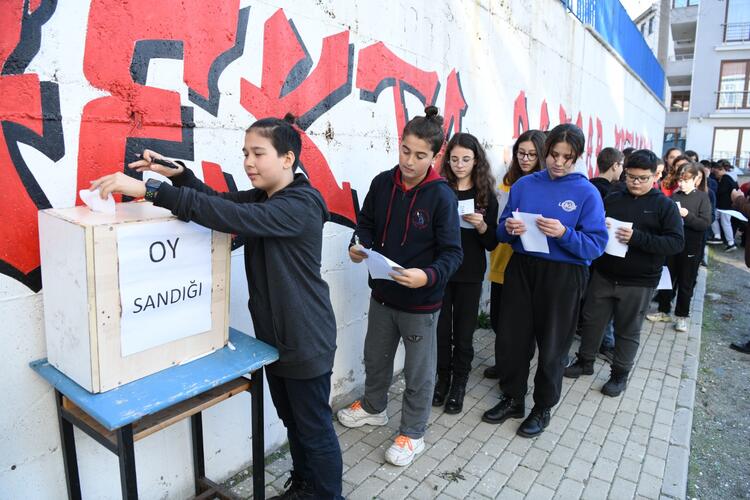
(568, 205)
(420, 218)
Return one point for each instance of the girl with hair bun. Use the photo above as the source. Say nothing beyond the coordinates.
(281, 220)
(542, 292)
(410, 215)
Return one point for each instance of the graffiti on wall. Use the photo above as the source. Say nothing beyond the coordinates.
(133, 115)
(595, 140)
(207, 37)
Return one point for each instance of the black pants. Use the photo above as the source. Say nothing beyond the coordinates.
(496, 296)
(455, 329)
(683, 269)
(628, 305)
(540, 305)
(303, 407)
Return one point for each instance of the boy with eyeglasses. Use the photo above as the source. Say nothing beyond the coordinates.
(623, 286)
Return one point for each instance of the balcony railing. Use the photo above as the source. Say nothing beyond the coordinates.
(737, 32)
(735, 99)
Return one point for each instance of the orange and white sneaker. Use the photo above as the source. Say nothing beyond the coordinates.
(403, 450)
(356, 416)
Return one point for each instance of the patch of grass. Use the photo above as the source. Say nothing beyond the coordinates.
(483, 321)
(452, 476)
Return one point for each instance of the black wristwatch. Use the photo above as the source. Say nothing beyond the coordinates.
(152, 187)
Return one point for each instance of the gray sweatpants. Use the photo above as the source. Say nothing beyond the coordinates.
(628, 305)
(385, 327)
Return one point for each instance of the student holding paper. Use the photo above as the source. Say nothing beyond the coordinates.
(282, 220)
(467, 171)
(410, 215)
(623, 286)
(526, 159)
(542, 291)
(695, 208)
(723, 222)
(741, 203)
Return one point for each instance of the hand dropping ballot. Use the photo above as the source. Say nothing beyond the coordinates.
(94, 201)
(614, 247)
(465, 207)
(533, 239)
(379, 266)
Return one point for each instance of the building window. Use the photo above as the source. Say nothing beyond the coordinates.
(643, 29)
(650, 25)
(737, 24)
(733, 85)
(684, 3)
(732, 144)
(673, 139)
(680, 101)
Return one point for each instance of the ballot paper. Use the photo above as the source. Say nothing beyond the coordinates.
(95, 202)
(465, 207)
(665, 282)
(533, 240)
(614, 247)
(733, 213)
(379, 266)
(679, 205)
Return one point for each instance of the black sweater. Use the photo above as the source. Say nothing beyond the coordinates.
(724, 192)
(657, 233)
(474, 245)
(417, 228)
(289, 300)
(698, 218)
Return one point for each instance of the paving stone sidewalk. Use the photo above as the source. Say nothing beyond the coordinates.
(633, 446)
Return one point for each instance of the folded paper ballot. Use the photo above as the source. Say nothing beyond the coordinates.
(465, 207)
(614, 247)
(94, 201)
(379, 266)
(533, 240)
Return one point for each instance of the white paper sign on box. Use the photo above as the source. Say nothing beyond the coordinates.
(165, 283)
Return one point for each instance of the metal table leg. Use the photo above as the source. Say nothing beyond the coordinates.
(259, 470)
(70, 459)
(126, 454)
(199, 464)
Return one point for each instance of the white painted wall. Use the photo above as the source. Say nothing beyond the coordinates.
(499, 49)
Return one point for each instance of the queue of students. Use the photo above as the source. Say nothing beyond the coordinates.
(410, 214)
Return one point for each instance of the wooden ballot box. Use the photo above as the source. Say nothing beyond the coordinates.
(130, 294)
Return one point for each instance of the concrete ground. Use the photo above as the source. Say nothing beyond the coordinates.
(633, 446)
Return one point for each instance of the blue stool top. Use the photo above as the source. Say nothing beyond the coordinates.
(133, 401)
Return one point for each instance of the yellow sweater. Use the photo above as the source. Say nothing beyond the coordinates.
(500, 256)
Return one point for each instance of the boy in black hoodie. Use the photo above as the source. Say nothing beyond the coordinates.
(623, 287)
(282, 222)
(410, 215)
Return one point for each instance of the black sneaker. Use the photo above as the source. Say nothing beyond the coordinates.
(730, 248)
(617, 382)
(299, 489)
(507, 408)
(491, 372)
(743, 348)
(441, 390)
(714, 241)
(580, 367)
(535, 423)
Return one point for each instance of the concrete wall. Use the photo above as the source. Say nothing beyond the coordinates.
(85, 85)
(710, 51)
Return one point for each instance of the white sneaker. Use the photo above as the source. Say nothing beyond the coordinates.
(659, 316)
(403, 450)
(681, 325)
(356, 416)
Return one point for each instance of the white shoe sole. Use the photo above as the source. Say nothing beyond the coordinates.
(376, 420)
(403, 461)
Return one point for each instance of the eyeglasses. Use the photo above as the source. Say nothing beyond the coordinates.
(531, 156)
(638, 178)
(456, 160)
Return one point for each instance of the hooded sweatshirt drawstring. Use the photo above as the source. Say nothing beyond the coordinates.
(408, 216)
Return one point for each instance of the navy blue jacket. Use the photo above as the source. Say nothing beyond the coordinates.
(416, 228)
